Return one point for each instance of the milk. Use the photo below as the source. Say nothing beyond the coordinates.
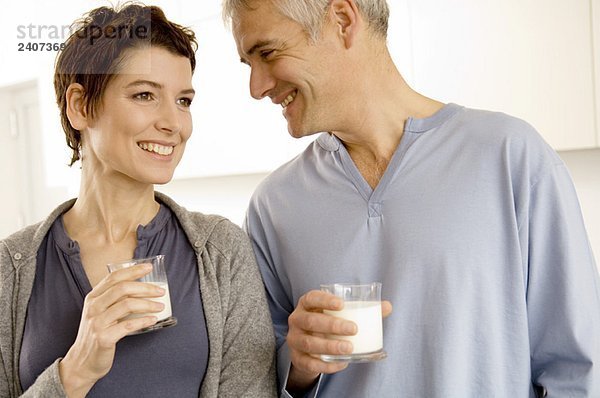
(367, 316)
(165, 299)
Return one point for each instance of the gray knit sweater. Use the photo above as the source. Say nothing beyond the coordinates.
(241, 359)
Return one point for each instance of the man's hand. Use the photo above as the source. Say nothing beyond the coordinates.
(306, 337)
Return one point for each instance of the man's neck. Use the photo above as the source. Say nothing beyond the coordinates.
(372, 142)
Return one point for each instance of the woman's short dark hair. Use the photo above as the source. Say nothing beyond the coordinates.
(94, 52)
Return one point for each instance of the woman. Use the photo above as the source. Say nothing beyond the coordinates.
(124, 86)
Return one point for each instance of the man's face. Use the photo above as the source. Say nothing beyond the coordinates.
(285, 66)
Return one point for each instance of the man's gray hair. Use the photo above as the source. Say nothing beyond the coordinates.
(310, 14)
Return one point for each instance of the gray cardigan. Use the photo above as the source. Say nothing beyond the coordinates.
(241, 360)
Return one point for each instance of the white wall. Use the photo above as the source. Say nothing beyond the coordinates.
(225, 195)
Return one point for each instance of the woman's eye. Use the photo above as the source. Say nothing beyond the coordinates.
(145, 96)
(185, 102)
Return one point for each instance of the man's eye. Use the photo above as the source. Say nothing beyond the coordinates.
(266, 53)
(145, 96)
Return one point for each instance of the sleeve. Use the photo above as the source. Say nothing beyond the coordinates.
(280, 303)
(283, 369)
(5, 324)
(47, 384)
(248, 364)
(563, 296)
(4, 381)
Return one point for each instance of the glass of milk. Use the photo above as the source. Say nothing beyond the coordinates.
(158, 277)
(362, 305)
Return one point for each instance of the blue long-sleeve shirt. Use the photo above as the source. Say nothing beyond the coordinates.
(476, 233)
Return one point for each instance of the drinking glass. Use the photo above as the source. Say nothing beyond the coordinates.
(158, 277)
(362, 305)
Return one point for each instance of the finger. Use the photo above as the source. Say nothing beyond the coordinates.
(316, 300)
(125, 274)
(111, 335)
(313, 365)
(317, 322)
(119, 291)
(318, 344)
(130, 306)
(386, 308)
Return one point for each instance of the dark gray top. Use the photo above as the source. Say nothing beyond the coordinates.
(168, 362)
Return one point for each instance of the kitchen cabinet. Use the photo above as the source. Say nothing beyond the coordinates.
(529, 58)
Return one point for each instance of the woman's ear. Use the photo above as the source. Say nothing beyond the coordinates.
(76, 106)
(347, 19)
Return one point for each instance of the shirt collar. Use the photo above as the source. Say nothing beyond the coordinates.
(331, 143)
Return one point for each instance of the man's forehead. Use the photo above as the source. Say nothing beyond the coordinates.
(252, 42)
(263, 25)
(255, 26)
(245, 22)
(256, 15)
(249, 12)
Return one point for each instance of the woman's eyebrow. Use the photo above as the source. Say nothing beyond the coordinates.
(156, 85)
(144, 82)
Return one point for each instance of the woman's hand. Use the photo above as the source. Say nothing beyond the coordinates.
(102, 326)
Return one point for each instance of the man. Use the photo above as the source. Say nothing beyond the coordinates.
(467, 217)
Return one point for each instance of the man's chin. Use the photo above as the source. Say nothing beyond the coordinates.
(299, 133)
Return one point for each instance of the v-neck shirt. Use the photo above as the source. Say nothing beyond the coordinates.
(412, 131)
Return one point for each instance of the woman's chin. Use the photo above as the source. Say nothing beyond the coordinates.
(162, 181)
(157, 178)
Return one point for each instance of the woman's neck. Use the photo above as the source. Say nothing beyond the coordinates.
(109, 211)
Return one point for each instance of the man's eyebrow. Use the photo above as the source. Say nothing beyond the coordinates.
(259, 44)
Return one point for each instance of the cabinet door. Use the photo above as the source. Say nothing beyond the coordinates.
(528, 58)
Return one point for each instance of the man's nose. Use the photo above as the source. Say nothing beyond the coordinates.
(261, 81)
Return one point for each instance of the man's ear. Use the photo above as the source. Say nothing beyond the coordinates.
(347, 20)
(76, 107)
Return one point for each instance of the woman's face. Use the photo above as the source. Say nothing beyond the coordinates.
(143, 121)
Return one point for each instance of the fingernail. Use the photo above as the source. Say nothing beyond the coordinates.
(146, 267)
(159, 290)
